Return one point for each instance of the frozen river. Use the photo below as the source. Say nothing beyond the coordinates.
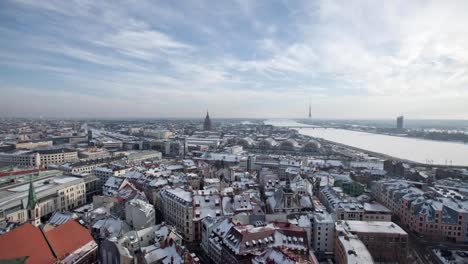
(418, 150)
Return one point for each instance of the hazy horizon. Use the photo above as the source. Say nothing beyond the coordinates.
(257, 59)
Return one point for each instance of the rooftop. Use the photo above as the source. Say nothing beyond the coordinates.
(372, 227)
(356, 250)
(32, 244)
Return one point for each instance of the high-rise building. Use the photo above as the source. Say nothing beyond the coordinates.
(90, 136)
(310, 109)
(399, 122)
(207, 123)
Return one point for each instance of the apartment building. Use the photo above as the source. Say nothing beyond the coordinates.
(39, 158)
(346, 208)
(57, 156)
(243, 242)
(349, 249)
(214, 230)
(440, 215)
(33, 144)
(139, 214)
(104, 172)
(385, 241)
(85, 166)
(186, 209)
(323, 232)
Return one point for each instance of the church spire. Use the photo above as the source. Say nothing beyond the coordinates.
(207, 123)
(32, 195)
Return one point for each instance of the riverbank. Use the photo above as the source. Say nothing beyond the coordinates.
(420, 151)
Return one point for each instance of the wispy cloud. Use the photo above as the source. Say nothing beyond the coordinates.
(239, 58)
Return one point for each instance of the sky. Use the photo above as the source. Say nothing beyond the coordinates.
(261, 59)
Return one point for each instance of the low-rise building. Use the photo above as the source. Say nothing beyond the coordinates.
(386, 241)
(33, 144)
(60, 193)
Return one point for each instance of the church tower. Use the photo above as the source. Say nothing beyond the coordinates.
(33, 207)
(207, 123)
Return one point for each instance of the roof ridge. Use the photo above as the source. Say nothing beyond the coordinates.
(49, 244)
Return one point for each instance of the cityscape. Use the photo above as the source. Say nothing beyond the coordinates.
(233, 132)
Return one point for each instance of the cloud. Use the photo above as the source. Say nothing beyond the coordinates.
(143, 44)
(239, 58)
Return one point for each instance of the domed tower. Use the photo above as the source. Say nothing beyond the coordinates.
(207, 123)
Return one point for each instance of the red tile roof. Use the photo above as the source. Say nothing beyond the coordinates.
(67, 238)
(26, 240)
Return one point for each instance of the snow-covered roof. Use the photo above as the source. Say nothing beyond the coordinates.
(180, 193)
(167, 255)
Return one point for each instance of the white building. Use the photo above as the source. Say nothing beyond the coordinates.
(37, 158)
(61, 193)
(139, 214)
(323, 231)
(144, 155)
(159, 134)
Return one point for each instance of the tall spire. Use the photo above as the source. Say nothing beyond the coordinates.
(207, 123)
(310, 108)
(32, 195)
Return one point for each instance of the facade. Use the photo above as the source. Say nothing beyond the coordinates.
(85, 166)
(185, 210)
(244, 242)
(214, 230)
(399, 122)
(103, 173)
(285, 200)
(159, 134)
(144, 155)
(349, 210)
(21, 158)
(385, 241)
(438, 215)
(39, 158)
(33, 144)
(349, 249)
(139, 214)
(61, 193)
(323, 232)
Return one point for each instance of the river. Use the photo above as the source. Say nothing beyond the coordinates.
(418, 150)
